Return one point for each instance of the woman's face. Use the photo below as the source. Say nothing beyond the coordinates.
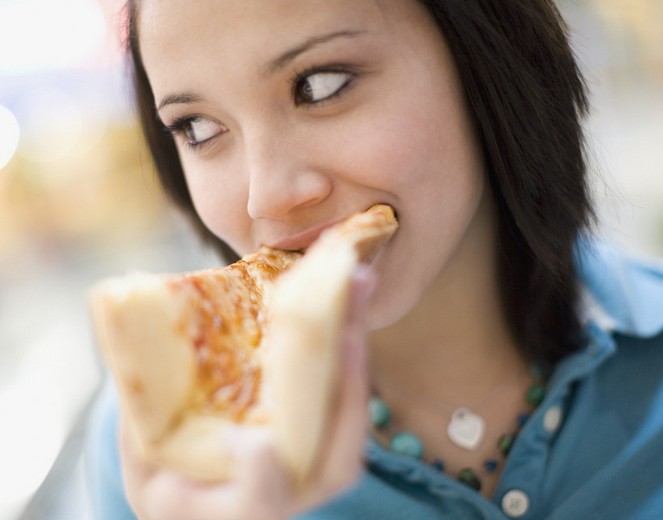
(290, 115)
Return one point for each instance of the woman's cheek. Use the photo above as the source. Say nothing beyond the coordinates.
(220, 203)
(387, 145)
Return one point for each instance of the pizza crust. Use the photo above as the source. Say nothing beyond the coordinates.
(145, 324)
(308, 310)
(154, 366)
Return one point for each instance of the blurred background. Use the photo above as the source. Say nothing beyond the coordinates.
(78, 202)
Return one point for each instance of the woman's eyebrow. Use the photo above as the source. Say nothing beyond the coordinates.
(274, 65)
(179, 98)
(283, 59)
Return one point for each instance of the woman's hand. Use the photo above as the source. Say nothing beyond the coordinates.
(262, 488)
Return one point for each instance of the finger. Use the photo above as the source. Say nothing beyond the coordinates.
(266, 486)
(348, 428)
(136, 470)
(362, 286)
(260, 490)
(341, 459)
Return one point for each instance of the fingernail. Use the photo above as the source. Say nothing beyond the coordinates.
(363, 285)
(355, 355)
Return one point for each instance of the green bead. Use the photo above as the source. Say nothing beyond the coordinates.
(469, 478)
(405, 443)
(537, 372)
(535, 394)
(379, 412)
(505, 443)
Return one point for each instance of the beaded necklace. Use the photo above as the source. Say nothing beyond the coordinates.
(408, 444)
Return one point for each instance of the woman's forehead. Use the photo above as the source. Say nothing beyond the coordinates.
(290, 14)
(164, 20)
(183, 36)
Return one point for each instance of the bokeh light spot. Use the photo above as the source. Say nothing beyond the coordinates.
(9, 136)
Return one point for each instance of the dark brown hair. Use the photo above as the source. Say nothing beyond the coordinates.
(527, 98)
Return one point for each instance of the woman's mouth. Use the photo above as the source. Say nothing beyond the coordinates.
(301, 241)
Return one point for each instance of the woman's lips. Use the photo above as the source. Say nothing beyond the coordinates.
(301, 241)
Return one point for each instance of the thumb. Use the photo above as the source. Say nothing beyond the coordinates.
(354, 344)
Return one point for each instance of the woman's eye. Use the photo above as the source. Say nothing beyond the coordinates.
(319, 86)
(196, 130)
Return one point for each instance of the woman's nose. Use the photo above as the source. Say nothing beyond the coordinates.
(281, 178)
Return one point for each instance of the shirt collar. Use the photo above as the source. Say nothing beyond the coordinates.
(620, 293)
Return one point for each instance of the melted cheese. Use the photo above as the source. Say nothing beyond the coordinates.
(225, 322)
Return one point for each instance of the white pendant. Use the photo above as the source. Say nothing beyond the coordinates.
(466, 429)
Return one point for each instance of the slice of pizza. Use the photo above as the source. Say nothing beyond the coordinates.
(254, 343)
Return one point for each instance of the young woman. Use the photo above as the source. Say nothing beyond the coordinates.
(512, 365)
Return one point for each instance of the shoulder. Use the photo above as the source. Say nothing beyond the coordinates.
(622, 306)
(621, 291)
(618, 373)
(609, 393)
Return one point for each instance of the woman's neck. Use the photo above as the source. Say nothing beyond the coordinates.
(454, 350)
(456, 342)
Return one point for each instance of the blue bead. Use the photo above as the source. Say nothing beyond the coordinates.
(405, 443)
(522, 419)
(490, 465)
(438, 464)
(379, 412)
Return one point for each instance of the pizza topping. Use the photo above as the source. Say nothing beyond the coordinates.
(225, 321)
